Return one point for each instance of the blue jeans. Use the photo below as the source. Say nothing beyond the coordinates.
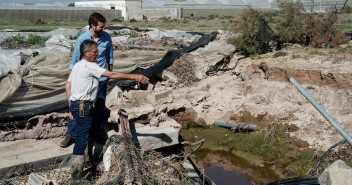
(82, 127)
(99, 106)
(99, 109)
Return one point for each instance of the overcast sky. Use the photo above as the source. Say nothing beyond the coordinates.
(33, 1)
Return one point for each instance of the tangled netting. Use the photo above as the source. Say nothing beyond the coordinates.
(341, 150)
(131, 166)
(184, 69)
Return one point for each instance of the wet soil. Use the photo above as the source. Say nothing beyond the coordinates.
(229, 161)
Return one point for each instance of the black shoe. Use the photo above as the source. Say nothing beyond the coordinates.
(68, 141)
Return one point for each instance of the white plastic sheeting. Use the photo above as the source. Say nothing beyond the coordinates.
(178, 35)
(130, 60)
(41, 82)
(59, 43)
(7, 64)
(213, 55)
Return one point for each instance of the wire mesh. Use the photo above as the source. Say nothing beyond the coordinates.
(341, 150)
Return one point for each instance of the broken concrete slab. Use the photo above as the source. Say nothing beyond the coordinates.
(23, 157)
(136, 94)
(133, 112)
(153, 137)
(156, 96)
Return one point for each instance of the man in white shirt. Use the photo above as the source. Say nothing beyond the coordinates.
(81, 91)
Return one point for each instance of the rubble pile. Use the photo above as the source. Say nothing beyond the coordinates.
(125, 164)
(184, 69)
(39, 127)
(341, 150)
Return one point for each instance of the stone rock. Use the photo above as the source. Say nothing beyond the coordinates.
(133, 112)
(156, 96)
(168, 76)
(340, 177)
(331, 173)
(163, 121)
(115, 95)
(174, 105)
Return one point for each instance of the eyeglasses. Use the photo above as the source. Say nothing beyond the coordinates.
(95, 52)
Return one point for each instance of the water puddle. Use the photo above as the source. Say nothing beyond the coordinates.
(220, 176)
(224, 167)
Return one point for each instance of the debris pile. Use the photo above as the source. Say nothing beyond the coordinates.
(184, 69)
(341, 150)
(39, 127)
(128, 165)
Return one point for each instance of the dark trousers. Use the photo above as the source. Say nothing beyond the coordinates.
(99, 107)
(82, 127)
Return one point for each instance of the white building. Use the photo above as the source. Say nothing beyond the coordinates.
(130, 9)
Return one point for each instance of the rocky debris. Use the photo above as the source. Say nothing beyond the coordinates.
(35, 179)
(163, 121)
(337, 173)
(58, 176)
(340, 150)
(184, 69)
(39, 127)
(143, 110)
(169, 78)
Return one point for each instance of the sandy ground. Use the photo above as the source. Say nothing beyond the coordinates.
(261, 86)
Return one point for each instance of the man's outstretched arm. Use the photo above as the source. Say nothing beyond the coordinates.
(126, 76)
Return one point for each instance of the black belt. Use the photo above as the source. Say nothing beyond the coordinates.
(83, 102)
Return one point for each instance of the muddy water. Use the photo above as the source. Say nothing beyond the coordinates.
(224, 167)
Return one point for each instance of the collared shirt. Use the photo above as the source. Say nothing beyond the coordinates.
(105, 50)
(84, 80)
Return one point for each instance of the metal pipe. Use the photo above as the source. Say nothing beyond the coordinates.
(236, 126)
(321, 110)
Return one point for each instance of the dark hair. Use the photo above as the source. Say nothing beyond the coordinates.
(86, 46)
(95, 18)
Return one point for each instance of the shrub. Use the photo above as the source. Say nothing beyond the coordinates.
(35, 39)
(279, 54)
(261, 32)
(290, 25)
(165, 19)
(346, 10)
(213, 17)
(117, 20)
(248, 27)
(323, 31)
(20, 41)
(133, 34)
(133, 20)
(39, 21)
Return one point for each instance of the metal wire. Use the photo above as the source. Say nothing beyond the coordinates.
(340, 150)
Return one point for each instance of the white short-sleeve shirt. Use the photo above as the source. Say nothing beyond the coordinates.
(84, 80)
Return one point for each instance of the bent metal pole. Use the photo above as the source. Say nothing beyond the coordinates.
(321, 110)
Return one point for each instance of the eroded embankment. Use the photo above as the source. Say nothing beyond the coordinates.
(326, 74)
(261, 87)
